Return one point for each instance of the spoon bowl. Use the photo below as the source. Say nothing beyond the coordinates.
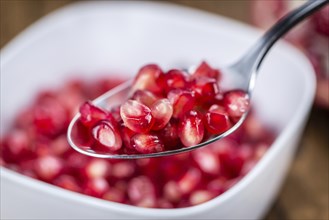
(240, 75)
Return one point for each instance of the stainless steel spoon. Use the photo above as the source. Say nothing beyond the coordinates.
(240, 75)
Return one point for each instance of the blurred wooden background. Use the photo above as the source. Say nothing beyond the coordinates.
(304, 195)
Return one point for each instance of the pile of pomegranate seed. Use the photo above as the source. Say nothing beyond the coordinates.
(36, 146)
(191, 105)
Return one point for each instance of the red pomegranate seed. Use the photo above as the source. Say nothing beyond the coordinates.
(189, 181)
(18, 144)
(169, 135)
(191, 128)
(161, 111)
(172, 191)
(147, 143)
(173, 79)
(146, 79)
(67, 182)
(182, 101)
(141, 191)
(90, 114)
(145, 97)
(97, 168)
(217, 122)
(96, 187)
(136, 116)
(123, 169)
(236, 103)
(205, 70)
(48, 167)
(200, 196)
(207, 161)
(107, 135)
(50, 117)
(59, 146)
(114, 195)
(206, 88)
(126, 135)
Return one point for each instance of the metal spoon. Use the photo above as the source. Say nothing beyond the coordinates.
(240, 75)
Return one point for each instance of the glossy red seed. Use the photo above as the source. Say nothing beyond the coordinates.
(207, 161)
(205, 70)
(145, 97)
(146, 78)
(206, 88)
(191, 128)
(200, 196)
(169, 135)
(217, 122)
(182, 101)
(147, 143)
(189, 181)
(173, 79)
(96, 187)
(172, 191)
(18, 143)
(107, 135)
(161, 111)
(91, 114)
(126, 135)
(59, 146)
(48, 167)
(68, 182)
(124, 169)
(236, 103)
(141, 192)
(97, 168)
(136, 116)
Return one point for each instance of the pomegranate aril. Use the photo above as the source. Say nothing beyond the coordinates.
(147, 143)
(172, 192)
(207, 161)
(107, 136)
(146, 79)
(59, 146)
(205, 70)
(124, 169)
(90, 114)
(126, 135)
(169, 135)
(189, 180)
(182, 101)
(97, 168)
(136, 116)
(173, 79)
(145, 97)
(200, 196)
(191, 128)
(206, 88)
(236, 103)
(48, 167)
(114, 195)
(141, 192)
(67, 182)
(161, 111)
(96, 187)
(217, 122)
(18, 144)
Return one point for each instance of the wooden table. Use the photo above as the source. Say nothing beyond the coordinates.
(304, 195)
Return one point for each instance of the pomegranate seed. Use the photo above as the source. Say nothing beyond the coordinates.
(145, 97)
(161, 111)
(18, 143)
(205, 70)
(191, 128)
(207, 161)
(189, 181)
(50, 117)
(96, 187)
(136, 116)
(169, 135)
(147, 143)
(114, 195)
(126, 135)
(141, 191)
(59, 146)
(107, 135)
(67, 182)
(48, 167)
(217, 122)
(206, 88)
(146, 79)
(90, 114)
(164, 204)
(236, 103)
(123, 169)
(173, 79)
(182, 101)
(172, 191)
(200, 196)
(97, 168)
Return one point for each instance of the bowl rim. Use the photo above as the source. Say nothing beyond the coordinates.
(32, 33)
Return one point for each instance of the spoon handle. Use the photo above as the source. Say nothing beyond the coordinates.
(250, 63)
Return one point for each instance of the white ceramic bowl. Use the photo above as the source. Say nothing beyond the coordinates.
(91, 37)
